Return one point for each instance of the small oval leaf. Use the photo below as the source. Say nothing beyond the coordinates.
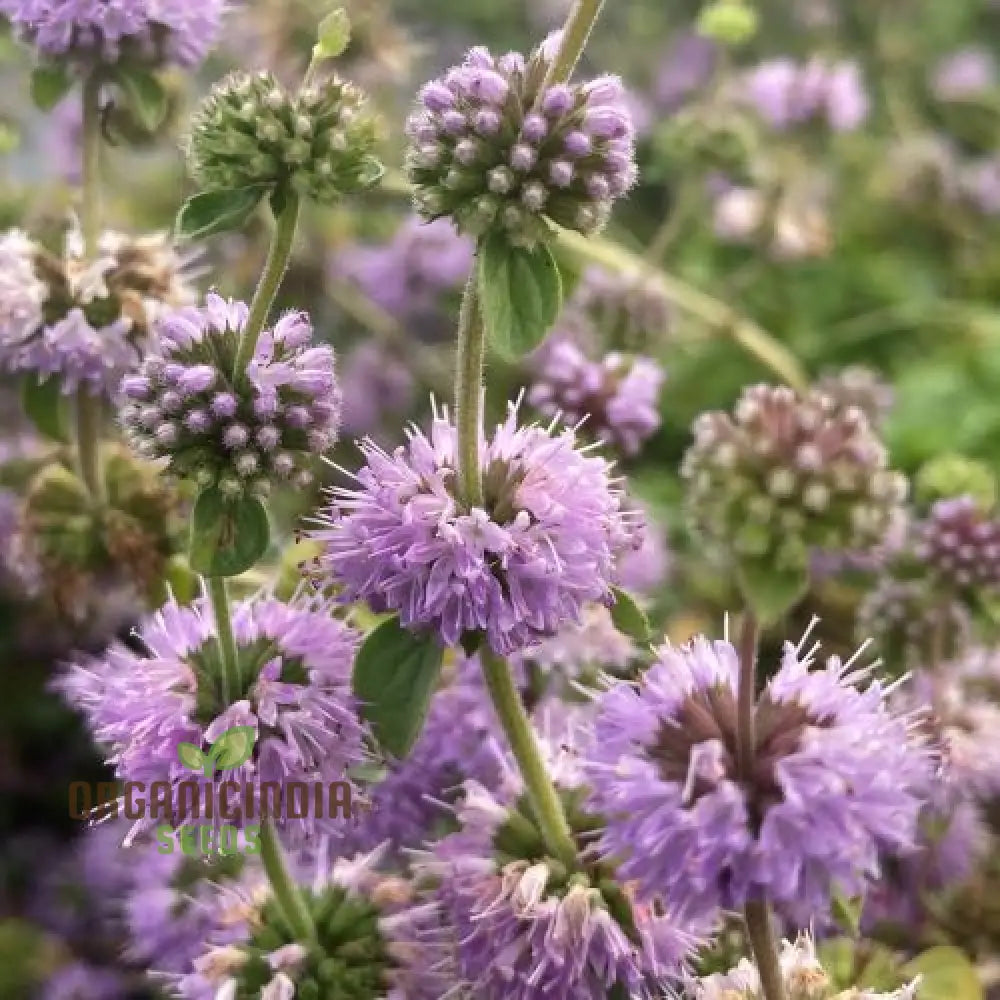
(334, 35)
(628, 617)
(49, 85)
(233, 748)
(520, 294)
(190, 756)
(395, 674)
(147, 100)
(218, 211)
(771, 591)
(45, 406)
(227, 535)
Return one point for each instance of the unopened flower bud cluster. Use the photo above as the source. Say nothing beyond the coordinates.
(786, 474)
(250, 130)
(961, 544)
(493, 149)
(239, 433)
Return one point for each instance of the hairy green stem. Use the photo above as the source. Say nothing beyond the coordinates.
(757, 913)
(286, 892)
(544, 799)
(218, 594)
(278, 256)
(758, 920)
(88, 407)
(88, 442)
(470, 357)
(575, 33)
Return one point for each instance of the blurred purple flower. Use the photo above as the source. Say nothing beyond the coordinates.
(159, 31)
(408, 275)
(518, 569)
(376, 386)
(686, 67)
(964, 74)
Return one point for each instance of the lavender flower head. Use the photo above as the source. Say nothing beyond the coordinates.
(493, 150)
(644, 570)
(408, 275)
(786, 474)
(184, 404)
(250, 130)
(617, 397)
(837, 778)
(804, 978)
(523, 925)
(84, 322)
(367, 929)
(154, 32)
(517, 569)
(294, 665)
(786, 93)
(960, 544)
(687, 66)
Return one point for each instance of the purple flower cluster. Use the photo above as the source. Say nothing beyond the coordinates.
(294, 667)
(786, 93)
(519, 568)
(84, 322)
(837, 778)
(628, 308)
(524, 926)
(495, 151)
(152, 31)
(617, 397)
(960, 544)
(862, 387)
(578, 650)
(185, 404)
(408, 275)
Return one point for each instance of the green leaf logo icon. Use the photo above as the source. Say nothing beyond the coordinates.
(232, 748)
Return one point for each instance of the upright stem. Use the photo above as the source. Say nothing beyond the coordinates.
(757, 913)
(545, 801)
(758, 920)
(88, 407)
(270, 280)
(575, 33)
(746, 735)
(218, 594)
(90, 196)
(469, 360)
(283, 886)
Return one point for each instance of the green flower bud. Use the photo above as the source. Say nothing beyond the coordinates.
(249, 130)
(729, 22)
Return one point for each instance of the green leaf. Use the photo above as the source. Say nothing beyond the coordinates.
(49, 85)
(628, 617)
(334, 35)
(946, 974)
(232, 748)
(520, 294)
(847, 913)
(181, 579)
(45, 406)
(771, 592)
(227, 535)
(395, 674)
(190, 756)
(218, 211)
(147, 100)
